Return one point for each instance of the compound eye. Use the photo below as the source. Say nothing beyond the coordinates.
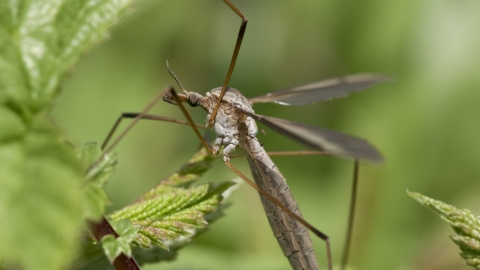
(193, 100)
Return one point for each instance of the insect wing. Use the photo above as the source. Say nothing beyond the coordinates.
(322, 139)
(321, 91)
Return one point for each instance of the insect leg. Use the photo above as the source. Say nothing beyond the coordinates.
(241, 33)
(129, 127)
(143, 117)
(318, 233)
(353, 196)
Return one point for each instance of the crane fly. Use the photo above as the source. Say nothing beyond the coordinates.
(231, 116)
(235, 126)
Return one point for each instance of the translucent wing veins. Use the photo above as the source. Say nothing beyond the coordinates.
(330, 141)
(322, 91)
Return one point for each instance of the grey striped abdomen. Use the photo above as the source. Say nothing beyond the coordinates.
(292, 236)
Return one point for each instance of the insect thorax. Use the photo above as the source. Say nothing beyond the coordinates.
(228, 119)
(227, 116)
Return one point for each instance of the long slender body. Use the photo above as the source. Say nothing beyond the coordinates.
(231, 115)
(237, 129)
(292, 236)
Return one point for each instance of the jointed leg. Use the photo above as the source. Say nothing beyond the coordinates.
(190, 120)
(142, 117)
(351, 215)
(241, 33)
(129, 127)
(318, 233)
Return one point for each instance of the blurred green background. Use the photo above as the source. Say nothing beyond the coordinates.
(426, 122)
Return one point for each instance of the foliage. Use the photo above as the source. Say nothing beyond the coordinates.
(40, 178)
(95, 198)
(113, 246)
(463, 222)
(175, 210)
(167, 217)
(45, 195)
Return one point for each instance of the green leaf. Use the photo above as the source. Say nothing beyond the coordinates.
(114, 246)
(171, 209)
(98, 172)
(464, 223)
(41, 199)
(168, 216)
(95, 201)
(125, 229)
(41, 40)
(172, 213)
(12, 126)
(40, 203)
(173, 231)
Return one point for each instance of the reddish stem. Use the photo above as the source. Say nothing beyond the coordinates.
(102, 228)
